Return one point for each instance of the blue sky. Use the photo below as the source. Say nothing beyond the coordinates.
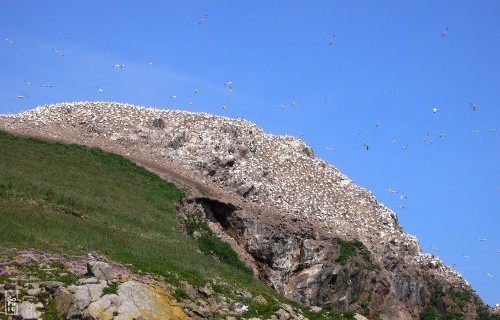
(389, 63)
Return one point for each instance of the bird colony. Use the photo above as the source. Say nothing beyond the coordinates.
(269, 171)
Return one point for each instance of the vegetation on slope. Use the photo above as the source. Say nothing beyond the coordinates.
(75, 199)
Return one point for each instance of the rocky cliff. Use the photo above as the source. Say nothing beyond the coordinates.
(302, 225)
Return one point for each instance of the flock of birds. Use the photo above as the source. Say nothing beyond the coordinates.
(228, 86)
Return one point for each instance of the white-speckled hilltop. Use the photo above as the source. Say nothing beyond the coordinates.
(263, 170)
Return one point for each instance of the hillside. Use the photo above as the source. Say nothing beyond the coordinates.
(304, 227)
(60, 203)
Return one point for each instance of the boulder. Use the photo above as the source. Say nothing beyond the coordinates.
(152, 302)
(27, 311)
(100, 270)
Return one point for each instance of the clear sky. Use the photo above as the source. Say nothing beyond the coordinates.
(390, 62)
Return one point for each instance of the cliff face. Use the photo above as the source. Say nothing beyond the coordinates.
(303, 226)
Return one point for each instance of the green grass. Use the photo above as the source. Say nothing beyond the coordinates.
(75, 199)
(110, 289)
(350, 249)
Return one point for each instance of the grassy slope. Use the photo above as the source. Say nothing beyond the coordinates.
(76, 199)
(73, 198)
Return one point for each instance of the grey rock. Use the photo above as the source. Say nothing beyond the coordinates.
(72, 301)
(26, 259)
(27, 311)
(100, 270)
(95, 290)
(104, 307)
(33, 292)
(88, 280)
(51, 286)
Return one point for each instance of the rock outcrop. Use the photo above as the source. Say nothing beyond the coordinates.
(290, 215)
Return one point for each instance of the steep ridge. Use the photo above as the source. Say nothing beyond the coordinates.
(304, 227)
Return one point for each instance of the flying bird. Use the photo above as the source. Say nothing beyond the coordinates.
(489, 275)
(228, 83)
(330, 149)
(47, 85)
(121, 66)
(26, 82)
(481, 239)
(326, 100)
(402, 207)
(445, 32)
(22, 95)
(58, 52)
(230, 89)
(203, 19)
(475, 131)
(173, 97)
(282, 106)
(405, 147)
(472, 106)
(99, 89)
(426, 137)
(377, 124)
(331, 39)
(366, 145)
(190, 102)
(466, 257)
(362, 130)
(196, 90)
(442, 135)
(434, 109)
(150, 63)
(224, 107)
(294, 103)
(89, 75)
(392, 191)
(434, 248)
(9, 41)
(402, 197)
(387, 91)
